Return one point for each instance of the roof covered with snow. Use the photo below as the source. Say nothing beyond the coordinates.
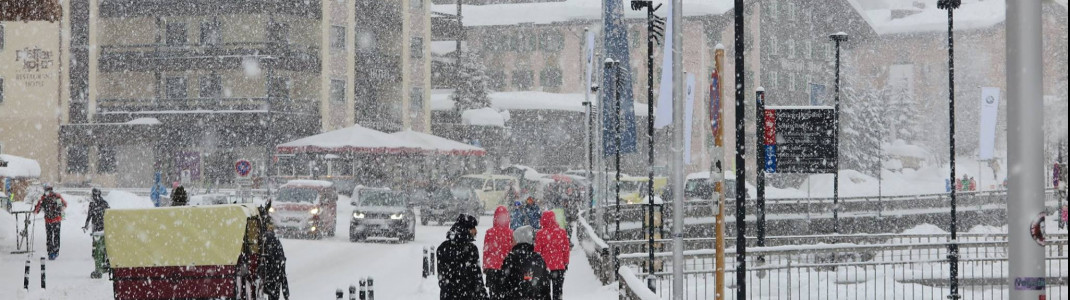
(355, 139)
(926, 17)
(439, 144)
(527, 100)
(566, 11)
(308, 183)
(18, 166)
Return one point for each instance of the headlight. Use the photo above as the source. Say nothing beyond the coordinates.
(314, 211)
(358, 215)
(397, 216)
(271, 209)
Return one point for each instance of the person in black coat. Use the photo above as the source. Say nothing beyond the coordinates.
(524, 273)
(95, 217)
(179, 197)
(460, 277)
(272, 268)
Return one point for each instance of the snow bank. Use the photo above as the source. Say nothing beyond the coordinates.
(127, 200)
(483, 117)
(18, 166)
(636, 285)
(902, 149)
(143, 121)
(925, 229)
(305, 182)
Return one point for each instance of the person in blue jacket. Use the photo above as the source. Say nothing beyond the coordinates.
(525, 214)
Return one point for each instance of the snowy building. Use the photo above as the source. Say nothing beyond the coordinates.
(908, 63)
(188, 88)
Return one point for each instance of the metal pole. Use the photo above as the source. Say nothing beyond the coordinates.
(837, 38)
(741, 163)
(590, 123)
(952, 246)
(759, 144)
(650, 143)
(677, 151)
(610, 63)
(718, 173)
(1025, 144)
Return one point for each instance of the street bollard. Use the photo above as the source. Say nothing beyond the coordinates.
(432, 264)
(338, 294)
(26, 277)
(363, 290)
(352, 292)
(426, 270)
(42, 273)
(371, 289)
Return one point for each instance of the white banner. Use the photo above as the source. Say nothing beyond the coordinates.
(989, 117)
(589, 57)
(663, 110)
(689, 113)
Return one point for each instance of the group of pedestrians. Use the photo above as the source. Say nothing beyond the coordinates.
(520, 261)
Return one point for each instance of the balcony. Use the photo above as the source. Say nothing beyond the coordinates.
(206, 106)
(126, 8)
(376, 68)
(160, 57)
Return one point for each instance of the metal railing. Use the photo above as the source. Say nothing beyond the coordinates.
(903, 268)
(264, 104)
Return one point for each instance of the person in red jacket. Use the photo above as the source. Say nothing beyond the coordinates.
(552, 243)
(496, 245)
(53, 205)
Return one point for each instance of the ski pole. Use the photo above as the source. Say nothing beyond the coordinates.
(42, 272)
(26, 277)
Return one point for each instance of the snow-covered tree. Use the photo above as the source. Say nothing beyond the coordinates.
(862, 128)
(902, 114)
(472, 86)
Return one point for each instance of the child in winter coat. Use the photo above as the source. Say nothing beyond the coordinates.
(496, 245)
(524, 271)
(552, 243)
(526, 214)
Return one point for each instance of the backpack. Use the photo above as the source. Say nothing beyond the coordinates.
(535, 280)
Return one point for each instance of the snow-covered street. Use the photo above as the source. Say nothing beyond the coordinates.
(316, 268)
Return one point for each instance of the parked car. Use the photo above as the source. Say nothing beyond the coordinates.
(443, 205)
(382, 212)
(305, 208)
(490, 189)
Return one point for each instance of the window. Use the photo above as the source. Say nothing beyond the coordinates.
(77, 159)
(278, 33)
(416, 4)
(502, 184)
(551, 41)
(773, 8)
(1, 90)
(497, 80)
(773, 78)
(791, 83)
(338, 91)
(523, 79)
(279, 88)
(526, 42)
(773, 44)
(175, 88)
(210, 33)
(416, 101)
(106, 159)
(211, 86)
(829, 52)
(338, 37)
(1, 36)
(810, 50)
(791, 11)
(176, 34)
(791, 48)
(416, 49)
(550, 77)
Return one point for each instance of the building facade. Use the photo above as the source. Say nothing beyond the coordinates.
(187, 88)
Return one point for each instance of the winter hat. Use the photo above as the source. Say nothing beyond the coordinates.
(524, 235)
(466, 222)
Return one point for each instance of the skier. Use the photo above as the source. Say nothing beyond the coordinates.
(526, 214)
(273, 266)
(458, 263)
(553, 244)
(95, 217)
(524, 271)
(496, 245)
(179, 197)
(53, 205)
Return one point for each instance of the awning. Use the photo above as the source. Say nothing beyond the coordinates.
(434, 144)
(355, 139)
(19, 167)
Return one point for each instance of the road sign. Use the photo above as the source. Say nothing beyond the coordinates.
(243, 168)
(800, 140)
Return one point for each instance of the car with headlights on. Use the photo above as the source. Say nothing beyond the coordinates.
(305, 208)
(380, 212)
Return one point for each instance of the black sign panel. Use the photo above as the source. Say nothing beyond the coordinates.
(800, 140)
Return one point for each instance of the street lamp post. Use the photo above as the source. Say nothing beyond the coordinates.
(837, 38)
(652, 28)
(613, 65)
(952, 246)
(741, 147)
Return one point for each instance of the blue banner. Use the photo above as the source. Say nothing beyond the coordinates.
(615, 41)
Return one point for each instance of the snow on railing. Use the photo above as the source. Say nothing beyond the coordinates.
(635, 286)
(591, 233)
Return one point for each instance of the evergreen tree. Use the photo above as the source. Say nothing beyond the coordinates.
(902, 113)
(472, 85)
(862, 128)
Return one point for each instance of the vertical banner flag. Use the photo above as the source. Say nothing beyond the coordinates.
(615, 39)
(715, 106)
(588, 56)
(663, 110)
(689, 116)
(989, 117)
